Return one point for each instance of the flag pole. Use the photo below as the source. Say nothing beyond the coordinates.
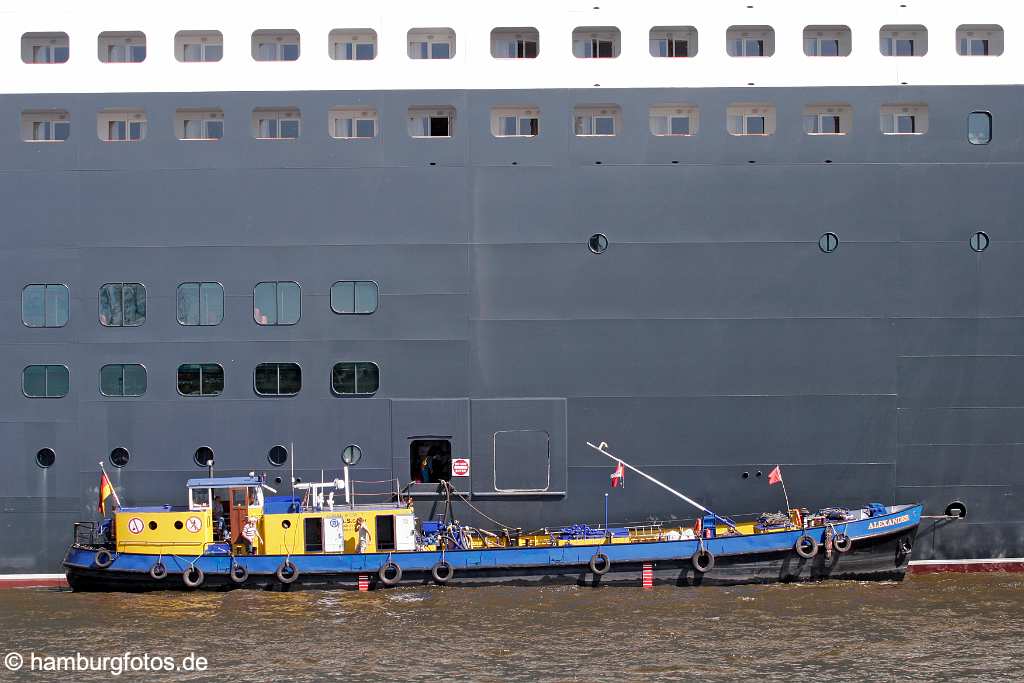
(603, 446)
(783, 482)
(113, 490)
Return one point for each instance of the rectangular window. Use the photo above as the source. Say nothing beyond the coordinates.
(200, 379)
(514, 48)
(272, 46)
(597, 124)
(126, 54)
(122, 304)
(276, 303)
(202, 52)
(668, 47)
(50, 131)
(974, 47)
(277, 379)
(355, 379)
(670, 124)
(45, 305)
(354, 297)
(45, 381)
(821, 47)
(125, 130)
(350, 127)
(50, 54)
(355, 50)
(385, 536)
(748, 47)
(979, 128)
(821, 124)
(282, 125)
(200, 303)
(431, 43)
(123, 380)
(203, 129)
(593, 48)
(434, 124)
(518, 126)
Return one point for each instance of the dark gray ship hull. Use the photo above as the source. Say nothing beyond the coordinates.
(710, 342)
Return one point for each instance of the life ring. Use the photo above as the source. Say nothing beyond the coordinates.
(703, 560)
(287, 572)
(389, 573)
(842, 542)
(158, 570)
(600, 564)
(906, 545)
(802, 549)
(193, 576)
(238, 573)
(103, 559)
(442, 572)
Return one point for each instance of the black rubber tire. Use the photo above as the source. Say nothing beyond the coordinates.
(158, 571)
(600, 564)
(842, 543)
(287, 572)
(703, 560)
(805, 552)
(238, 574)
(103, 559)
(193, 576)
(442, 572)
(385, 569)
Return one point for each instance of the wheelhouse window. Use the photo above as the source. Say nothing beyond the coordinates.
(431, 43)
(275, 45)
(979, 128)
(596, 121)
(673, 41)
(750, 41)
(123, 380)
(45, 48)
(430, 461)
(277, 379)
(596, 42)
(352, 44)
(199, 46)
(354, 297)
(827, 41)
(903, 41)
(45, 381)
(431, 122)
(751, 119)
(979, 40)
(126, 125)
(276, 303)
(904, 119)
(673, 120)
(200, 379)
(199, 124)
(122, 47)
(515, 43)
(515, 122)
(45, 125)
(345, 123)
(122, 304)
(827, 119)
(276, 124)
(355, 379)
(45, 305)
(200, 303)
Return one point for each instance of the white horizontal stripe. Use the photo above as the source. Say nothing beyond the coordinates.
(473, 67)
(30, 577)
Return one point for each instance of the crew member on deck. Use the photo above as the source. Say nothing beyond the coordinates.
(362, 536)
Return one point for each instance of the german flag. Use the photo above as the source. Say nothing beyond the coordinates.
(106, 489)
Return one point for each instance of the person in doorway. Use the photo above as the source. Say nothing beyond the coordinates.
(217, 512)
(362, 536)
(425, 461)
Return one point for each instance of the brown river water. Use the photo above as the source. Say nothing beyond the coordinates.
(928, 628)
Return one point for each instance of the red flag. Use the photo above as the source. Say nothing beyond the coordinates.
(106, 488)
(775, 476)
(619, 476)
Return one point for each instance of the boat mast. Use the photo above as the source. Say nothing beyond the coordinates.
(602, 449)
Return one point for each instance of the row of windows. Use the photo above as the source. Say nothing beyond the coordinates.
(123, 304)
(203, 457)
(506, 122)
(201, 379)
(588, 42)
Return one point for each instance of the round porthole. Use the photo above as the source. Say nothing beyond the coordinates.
(828, 242)
(46, 457)
(746, 475)
(979, 241)
(351, 454)
(152, 526)
(203, 456)
(278, 456)
(119, 457)
(598, 243)
(285, 524)
(178, 525)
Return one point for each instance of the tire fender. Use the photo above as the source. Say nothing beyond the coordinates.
(842, 542)
(287, 572)
(442, 572)
(703, 560)
(193, 576)
(600, 564)
(103, 559)
(238, 573)
(389, 573)
(806, 547)
(158, 570)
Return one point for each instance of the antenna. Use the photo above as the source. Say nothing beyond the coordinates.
(292, 461)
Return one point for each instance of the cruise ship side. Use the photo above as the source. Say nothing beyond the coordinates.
(459, 240)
